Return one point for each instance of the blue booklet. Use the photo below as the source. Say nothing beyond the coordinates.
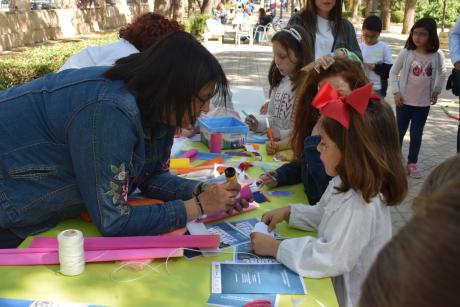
(10, 302)
(239, 300)
(241, 278)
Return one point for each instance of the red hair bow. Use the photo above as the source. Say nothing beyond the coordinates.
(332, 105)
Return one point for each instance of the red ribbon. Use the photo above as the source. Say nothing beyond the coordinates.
(332, 105)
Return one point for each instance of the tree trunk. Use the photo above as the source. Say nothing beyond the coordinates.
(354, 9)
(409, 16)
(368, 8)
(385, 14)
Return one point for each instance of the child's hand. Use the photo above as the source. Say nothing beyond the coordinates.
(399, 101)
(264, 245)
(276, 133)
(252, 122)
(369, 66)
(323, 62)
(269, 181)
(434, 98)
(264, 108)
(271, 150)
(271, 218)
(283, 156)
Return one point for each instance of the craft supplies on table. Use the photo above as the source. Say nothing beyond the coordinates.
(233, 131)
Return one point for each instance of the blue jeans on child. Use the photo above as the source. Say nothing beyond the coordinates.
(416, 116)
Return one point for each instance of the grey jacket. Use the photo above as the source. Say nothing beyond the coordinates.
(400, 71)
(341, 40)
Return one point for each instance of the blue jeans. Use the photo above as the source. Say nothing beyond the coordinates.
(416, 116)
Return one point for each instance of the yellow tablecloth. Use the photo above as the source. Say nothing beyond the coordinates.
(187, 283)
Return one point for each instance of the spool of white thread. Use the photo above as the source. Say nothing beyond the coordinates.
(71, 252)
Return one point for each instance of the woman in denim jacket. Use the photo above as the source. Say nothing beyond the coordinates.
(84, 139)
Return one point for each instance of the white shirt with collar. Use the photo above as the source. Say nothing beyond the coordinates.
(351, 232)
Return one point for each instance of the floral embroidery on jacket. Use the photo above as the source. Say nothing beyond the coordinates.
(119, 187)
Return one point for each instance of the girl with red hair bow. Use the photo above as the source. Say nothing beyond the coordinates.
(359, 149)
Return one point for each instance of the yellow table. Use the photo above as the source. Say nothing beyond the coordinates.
(187, 283)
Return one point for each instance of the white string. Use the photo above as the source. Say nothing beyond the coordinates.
(71, 252)
(155, 268)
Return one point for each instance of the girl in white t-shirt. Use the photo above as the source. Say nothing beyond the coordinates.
(290, 53)
(352, 218)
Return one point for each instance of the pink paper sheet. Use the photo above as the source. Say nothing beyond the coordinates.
(30, 256)
(222, 215)
(139, 242)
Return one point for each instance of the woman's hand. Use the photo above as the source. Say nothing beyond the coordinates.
(269, 181)
(323, 62)
(252, 122)
(271, 150)
(264, 108)
(221, 197)
(369, 66)
(434, 98)
(399, 101)
(264, 245)
(271, 218)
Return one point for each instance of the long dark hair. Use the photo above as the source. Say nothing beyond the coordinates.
(310, 13)
(305, 115)
(168, 76)
(302, 50)
(429, 24)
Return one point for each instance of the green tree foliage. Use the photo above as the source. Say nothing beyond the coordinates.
(38, 61)
(397, 16)
(433, 8)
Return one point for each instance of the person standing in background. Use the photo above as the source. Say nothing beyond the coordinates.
(454, 46)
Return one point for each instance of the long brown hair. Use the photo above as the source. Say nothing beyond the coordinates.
(443, 173)
(305, 115)
(302, 51)
(371, 157)
(309, 16)
(419, 266)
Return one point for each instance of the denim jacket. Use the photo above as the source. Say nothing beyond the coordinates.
(309, 170)
(74, 141)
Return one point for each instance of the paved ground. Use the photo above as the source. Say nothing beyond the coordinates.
(248, 65)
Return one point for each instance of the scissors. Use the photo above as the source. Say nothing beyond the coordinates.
(258, 303)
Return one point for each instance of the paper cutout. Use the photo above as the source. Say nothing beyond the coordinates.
(137, 242)
(30, 256)
(179, 163)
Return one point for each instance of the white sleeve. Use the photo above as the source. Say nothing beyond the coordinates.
(441, 72)
(337, 251)
(395, 69)
(387, 59)
(306, 217)
(79, 60)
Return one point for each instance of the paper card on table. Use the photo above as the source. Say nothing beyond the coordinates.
(229, 235)
(239, 300)
(10, 302)
(255, 278)
(244, 254)
(179, 163)
(222, 215)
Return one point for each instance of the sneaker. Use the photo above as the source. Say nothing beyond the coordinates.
(413, 171)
